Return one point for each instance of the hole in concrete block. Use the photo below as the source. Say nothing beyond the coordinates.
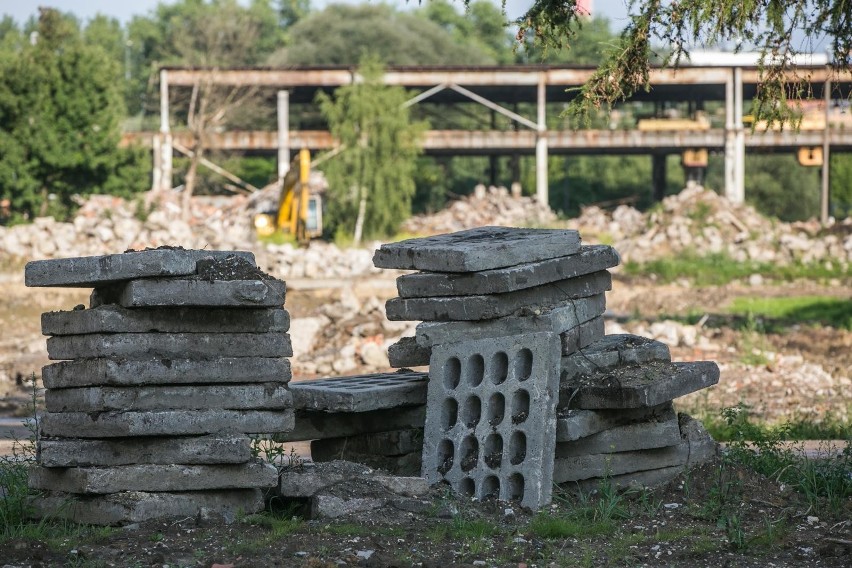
(449, 413)
(467, 487)
(499, 367)
(494, 450)
(475, 370)
(472, 411)
(496, 409)
(469, 451)
(516, 487)
(445, 456)
(452, 373)
(523, 364)
(520, 406)
(491, 487)
(518, 448)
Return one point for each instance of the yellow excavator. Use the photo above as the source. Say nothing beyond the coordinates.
(299, 211)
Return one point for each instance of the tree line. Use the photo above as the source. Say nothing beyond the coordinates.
(69, 88)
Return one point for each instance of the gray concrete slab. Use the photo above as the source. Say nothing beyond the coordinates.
(316, 425)
(648, 478)
(360, 393)
(491, 417)
(196, 450)
(111, 318)
(485, 307)
(477, 249)
(602, 465)
(192, 291)
(648, 384)
(702, 447)
(501, 280)
(169, 345)
(393, 443)
(575, 424)
(407, 353)
(94, 271)
(164, 423)
(130, 372)
(582, 336)
(559, 319)
(258, 396)
(154, 478)
(631, 437)
(137, 506)
(613, 351)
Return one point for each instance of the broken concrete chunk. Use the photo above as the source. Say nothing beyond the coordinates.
(361, 393)
(702, 447)
(169, 345)
(477, 249)
(94, 271)
(407, 353)
(197, 450)
(529, 301)
(613, 351)
(110, 318)
(192, 291)
(589, 259)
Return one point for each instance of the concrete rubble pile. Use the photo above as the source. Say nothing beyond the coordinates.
(179, 358)
(524, 389)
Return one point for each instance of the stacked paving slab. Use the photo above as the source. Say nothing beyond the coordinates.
(524, 388)
(181, 355)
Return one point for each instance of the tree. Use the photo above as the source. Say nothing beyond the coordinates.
(768, 25)
(60, 114)
(482, 28)
(371, 180)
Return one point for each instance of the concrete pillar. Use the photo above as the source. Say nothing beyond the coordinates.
(739, 155)
(730, 139)
(166, 152)
(283, 133)
(541, 186)
(658, 175)
(826, 162)
(156, 147)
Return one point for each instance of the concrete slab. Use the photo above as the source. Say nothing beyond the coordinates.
(129, 372)
(648, 478)
(659, 433)
(192, 291)
(407, 353)
(477, 249)
(613, 351)
(202, 450)
(316, 425)
(559, 319)
(648, 384)
(94, 271)
(361, 393)
(501, 280)
(137, 507)
(110, 318)
(702, 447)
(491, 417)
(393, 443)
(169, 345)
(474, 308)
(582, 336)
(576, 424)
(601, 465)
(263, 396)
(165, 423)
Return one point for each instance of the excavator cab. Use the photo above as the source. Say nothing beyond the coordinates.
(299, 211)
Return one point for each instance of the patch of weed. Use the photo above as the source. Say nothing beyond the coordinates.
(834, 312)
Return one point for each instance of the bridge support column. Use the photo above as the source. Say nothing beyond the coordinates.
(163, 178)
(541, 185)
(826, 158)
(734, 138)
(658, 175)
(283, 133)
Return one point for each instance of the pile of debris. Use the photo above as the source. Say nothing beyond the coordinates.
(703, 222)
(180, 356)
(491, 206)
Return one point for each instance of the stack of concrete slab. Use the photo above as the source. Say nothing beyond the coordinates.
(181, 355)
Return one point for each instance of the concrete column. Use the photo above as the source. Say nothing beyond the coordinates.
(541, 186)
(166, 152)
(739, 156)
(283, 133)
(658, 175)
(730, 139)
(156, 147)
(826, 162)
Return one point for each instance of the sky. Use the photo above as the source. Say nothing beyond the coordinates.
(21, 10)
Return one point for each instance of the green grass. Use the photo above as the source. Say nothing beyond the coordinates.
(719, 269)
(799, 429)
(834, 312)
(548, 526)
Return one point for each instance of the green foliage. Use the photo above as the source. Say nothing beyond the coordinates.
(371, 181)
(793, 310)
(60, 113)
(841, 185)
(828, 427)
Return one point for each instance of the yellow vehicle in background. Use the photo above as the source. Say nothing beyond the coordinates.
(299, 211)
